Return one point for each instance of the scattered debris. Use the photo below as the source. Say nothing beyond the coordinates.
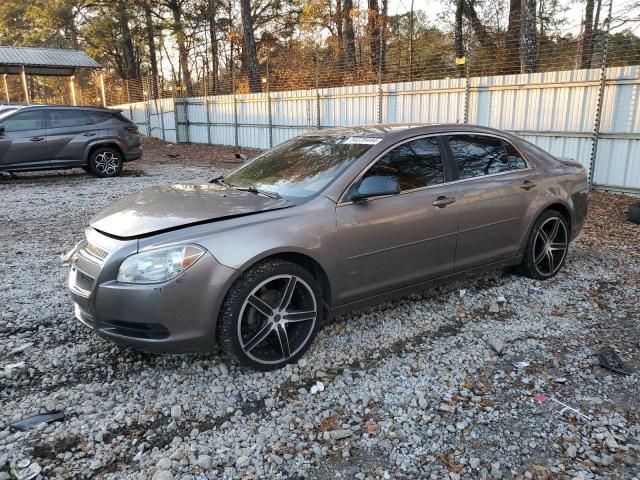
(318, 387)
(560, 379)
(32, 421)
(173, 155)
(493, 308)
(496, 344)
(522, 364)
(610, 360)
(633, 213)
(462, 292)
(26, 470)
(542, 398)
(12, 369)
(501, 299)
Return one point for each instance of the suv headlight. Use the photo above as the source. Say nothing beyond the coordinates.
(158, 265)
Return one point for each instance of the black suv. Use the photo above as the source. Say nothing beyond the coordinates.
(42, 137)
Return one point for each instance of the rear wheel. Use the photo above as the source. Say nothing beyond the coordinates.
(106, 162)
(270, 315)
(547, 246)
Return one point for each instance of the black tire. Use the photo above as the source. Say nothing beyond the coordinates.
(249, 336)
(547, 247)
(633, 213)
(86, 168)
(106, 162)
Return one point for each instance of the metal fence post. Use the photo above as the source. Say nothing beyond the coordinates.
(317, 90)
(206, 110)
(380, 79)
(269, 114)
(467, 87)
(598, 117)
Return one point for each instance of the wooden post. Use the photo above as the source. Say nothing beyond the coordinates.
(104, 100)
(23, 77)
(6, 87)
(72, 90)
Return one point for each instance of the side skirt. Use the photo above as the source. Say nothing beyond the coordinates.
(420, 287)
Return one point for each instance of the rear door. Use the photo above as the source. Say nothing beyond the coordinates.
(68, 133)
(394, 241)
(23, 142)
(494, 190)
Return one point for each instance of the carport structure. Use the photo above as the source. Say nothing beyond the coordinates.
(55, 62)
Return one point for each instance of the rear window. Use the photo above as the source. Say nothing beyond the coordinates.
(99, 117)
(122, 118)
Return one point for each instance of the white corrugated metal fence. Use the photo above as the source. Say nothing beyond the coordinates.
(555, 110)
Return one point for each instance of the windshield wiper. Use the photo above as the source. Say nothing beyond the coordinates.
(219, 179)
(252, 189)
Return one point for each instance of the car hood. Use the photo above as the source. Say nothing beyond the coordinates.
(169, 207)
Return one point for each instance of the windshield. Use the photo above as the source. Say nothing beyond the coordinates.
(302, 167)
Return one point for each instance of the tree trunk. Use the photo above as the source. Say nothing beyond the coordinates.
(587, 41)
(528, 47)
(183, 52)
(129, 68)
(151, 42)
(458, 37)
(213, 34)
(250, 57)
(512, 39)
(373, 30)
(481, 32)
(349, 44)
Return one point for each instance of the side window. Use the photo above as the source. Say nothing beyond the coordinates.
(516, 161)
(414, 164)
(477, 155)
(67, 118)
(20, 122)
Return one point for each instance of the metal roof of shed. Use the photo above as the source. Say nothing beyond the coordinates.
(44, 61)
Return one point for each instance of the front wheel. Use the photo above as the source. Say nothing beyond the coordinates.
(270, 315)
(106, 162)
(547, 246)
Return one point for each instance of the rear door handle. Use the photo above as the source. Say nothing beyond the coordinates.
(443, 201)
(527, 184)
(36, 139)
(89, 134)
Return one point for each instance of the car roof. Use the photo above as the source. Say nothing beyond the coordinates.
(384, 130)
(61, 107)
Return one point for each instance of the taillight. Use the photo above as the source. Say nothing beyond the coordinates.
(131, 128)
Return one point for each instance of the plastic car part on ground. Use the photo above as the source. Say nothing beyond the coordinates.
(542, 399)
(610, 360)
(32, 421)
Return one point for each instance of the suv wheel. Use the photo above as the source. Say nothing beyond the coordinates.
(547, 246)
(270, 315)
(106, 162)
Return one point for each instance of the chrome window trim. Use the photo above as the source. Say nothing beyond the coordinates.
(452, 182)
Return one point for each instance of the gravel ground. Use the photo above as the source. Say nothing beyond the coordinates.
(408, 389)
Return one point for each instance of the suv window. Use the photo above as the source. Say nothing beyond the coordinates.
(477, 155)
(32, 120)
(67, 118)
(99, 117)
(414, 164)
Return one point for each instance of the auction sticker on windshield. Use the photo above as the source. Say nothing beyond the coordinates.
(362, 141)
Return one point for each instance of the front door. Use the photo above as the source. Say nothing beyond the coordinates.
(493, 198)
(23, 141)
(68, 133)
(394, 241)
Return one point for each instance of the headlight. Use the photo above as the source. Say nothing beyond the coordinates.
(158, 265)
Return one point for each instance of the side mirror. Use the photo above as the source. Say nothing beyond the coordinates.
(375, 186)
(1, 129)
(241, 156)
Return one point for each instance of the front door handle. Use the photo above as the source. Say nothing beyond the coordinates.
(527, 184)
(443, 201)
(89, 134)
(36, 139)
